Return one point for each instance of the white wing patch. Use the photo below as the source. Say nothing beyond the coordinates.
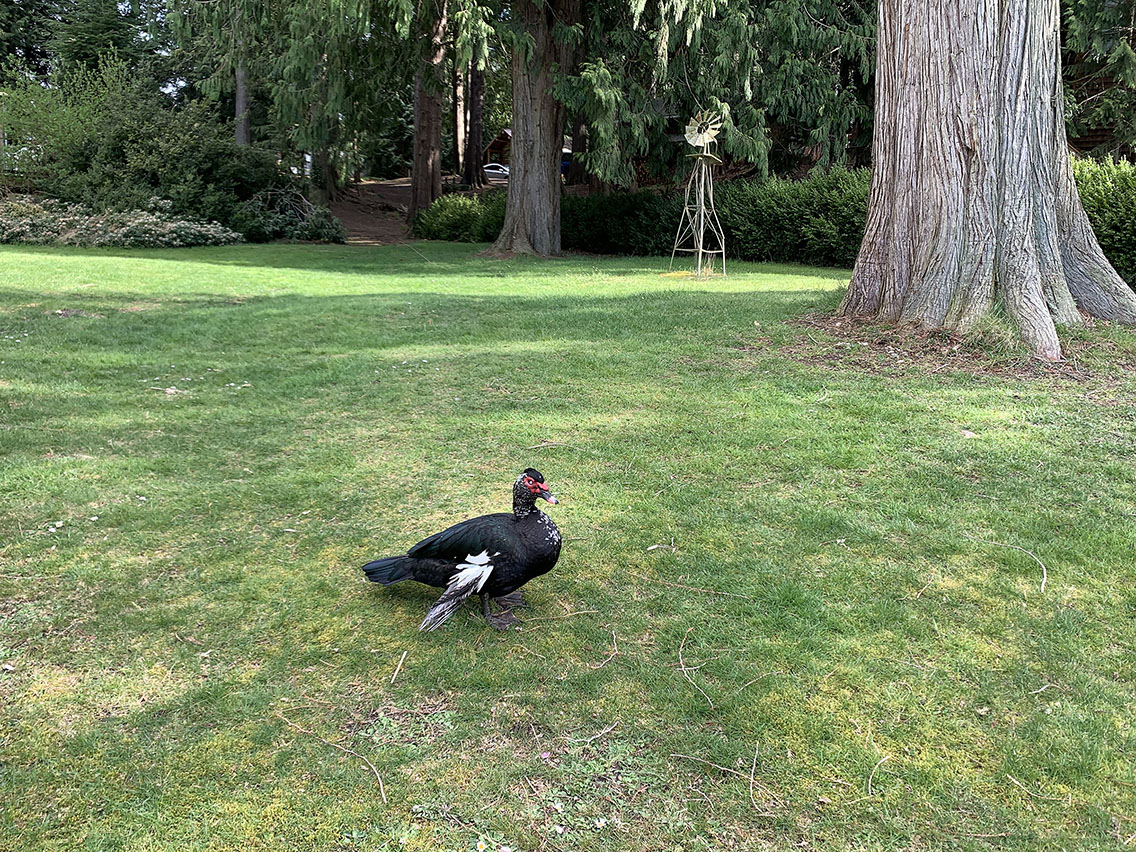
(474, 569)
(469, 579)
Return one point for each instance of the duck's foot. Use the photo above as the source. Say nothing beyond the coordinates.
(513, 600)
(498, 621)
(502, 620)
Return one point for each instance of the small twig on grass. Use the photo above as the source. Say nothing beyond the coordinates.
(875, 768)
(708, 763)
(1044, 572)
(544, 444)
(614, 651)
(694, 588)
(686, 672)
(398, 668)
(344, 749)
(752, 771)
(595, 737)
(1029, 792)
(558, 617)
(756, 679)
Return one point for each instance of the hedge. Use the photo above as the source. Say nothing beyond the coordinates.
(817, 221)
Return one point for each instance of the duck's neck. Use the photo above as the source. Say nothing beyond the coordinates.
(522, 508)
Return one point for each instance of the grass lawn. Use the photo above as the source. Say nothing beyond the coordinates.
(830, 650)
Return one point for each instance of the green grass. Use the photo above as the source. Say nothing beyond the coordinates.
(179, 571)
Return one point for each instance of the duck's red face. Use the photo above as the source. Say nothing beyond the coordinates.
(534, 483)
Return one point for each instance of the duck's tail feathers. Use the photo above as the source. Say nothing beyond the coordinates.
(390, 570)
(470, 577)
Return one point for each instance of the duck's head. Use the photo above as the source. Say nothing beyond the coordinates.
(529, 486)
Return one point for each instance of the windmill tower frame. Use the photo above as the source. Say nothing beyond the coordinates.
(699, 230)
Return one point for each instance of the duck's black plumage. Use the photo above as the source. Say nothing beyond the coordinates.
(492, 555)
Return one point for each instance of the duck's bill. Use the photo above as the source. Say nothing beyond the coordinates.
(545, 494)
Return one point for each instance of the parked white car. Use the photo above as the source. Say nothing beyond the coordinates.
(496, 170)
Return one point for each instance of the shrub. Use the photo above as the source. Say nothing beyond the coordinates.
(1108, 191)
(107, 141)
(50, 222)
(456, 218)
(286, 213)
(819, 221)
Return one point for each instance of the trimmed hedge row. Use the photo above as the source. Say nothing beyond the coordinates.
(818, 221)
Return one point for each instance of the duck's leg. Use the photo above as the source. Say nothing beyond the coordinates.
(499, 621)
(513, 600)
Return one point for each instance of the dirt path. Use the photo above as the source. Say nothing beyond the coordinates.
(374, 212)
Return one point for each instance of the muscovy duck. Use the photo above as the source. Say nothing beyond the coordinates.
(492, 555)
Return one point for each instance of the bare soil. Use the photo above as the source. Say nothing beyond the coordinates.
(374, 211)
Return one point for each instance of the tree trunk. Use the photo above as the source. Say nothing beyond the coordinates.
(242, 119)
(474, 173)
(972, 199)
(429, 81)
(532, 211)
(243, 134)
(460, 75)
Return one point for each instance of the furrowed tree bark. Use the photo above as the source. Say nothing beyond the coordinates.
(973, 201)
(429, 82)
(532, 209)
(474, 173)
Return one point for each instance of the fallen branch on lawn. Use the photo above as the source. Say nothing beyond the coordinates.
(686, 671)
(614, 651)
(344, 749)
(398, 668)
(1044, 572)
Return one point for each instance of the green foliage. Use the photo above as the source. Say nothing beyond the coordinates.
(1100, 69)
(1108, 192)
(819, 221)
(462, 218)
(25, 31)
(33, 221)
(622, 223)
(90, 30)
(286, 214)
(107, 141)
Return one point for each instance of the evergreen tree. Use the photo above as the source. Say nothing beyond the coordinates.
(90, 29)
(26, 31)
(1100, 77)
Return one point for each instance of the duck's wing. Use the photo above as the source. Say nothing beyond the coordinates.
(489, 534)
(474, 547)
(470, 577)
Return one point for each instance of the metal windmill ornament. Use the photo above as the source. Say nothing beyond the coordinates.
(699, 230)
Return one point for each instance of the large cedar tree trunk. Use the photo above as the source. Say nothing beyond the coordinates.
(429, 82)
(532, 209)
(972, 199)
(474, 173)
